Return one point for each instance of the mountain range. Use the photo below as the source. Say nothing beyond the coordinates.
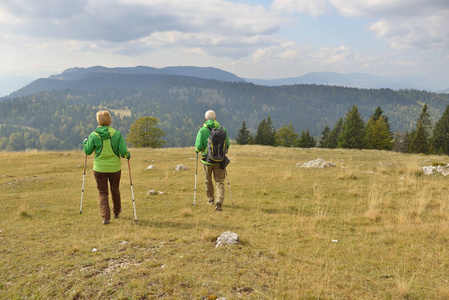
(59, 112)
(79, 77)
(16, 86)
(355, 80)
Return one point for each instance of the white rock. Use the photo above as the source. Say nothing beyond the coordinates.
(94, 249)
(227, 238)
(150, 167)
(181, 167)
(431, 170)
(152, 192)
(318, 163)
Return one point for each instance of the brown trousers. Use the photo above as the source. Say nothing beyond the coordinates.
(219, 176)
(102, 185)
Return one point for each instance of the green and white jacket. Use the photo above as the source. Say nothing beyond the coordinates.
(108, 145)
(203, 135)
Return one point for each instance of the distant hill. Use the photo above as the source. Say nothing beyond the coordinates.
(356, 80)
(63, 115)
(96, 77)
(77, 78)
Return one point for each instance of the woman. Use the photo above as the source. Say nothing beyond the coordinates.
(109, 145)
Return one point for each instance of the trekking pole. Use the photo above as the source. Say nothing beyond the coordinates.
(132, 192)
(196, 175)
(229, 185)
(82, 187)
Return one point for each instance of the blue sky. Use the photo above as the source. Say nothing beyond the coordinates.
(250, 38)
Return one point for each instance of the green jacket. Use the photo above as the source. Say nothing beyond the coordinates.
(201, 139)
(109, 145)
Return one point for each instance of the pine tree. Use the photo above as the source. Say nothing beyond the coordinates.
(334, 134)
(265, 133)
(381, 138)
(306, 140)
(353, 134)
(420, 139)
(377, 132)
(244, 136)
(324, 140)
(286, 136)
(440, 137)
(424, 120)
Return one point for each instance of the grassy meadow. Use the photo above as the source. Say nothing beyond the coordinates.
(373, 227)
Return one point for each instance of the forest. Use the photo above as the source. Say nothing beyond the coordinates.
(61, 119)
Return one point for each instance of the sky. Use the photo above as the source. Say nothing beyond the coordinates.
(251, 38)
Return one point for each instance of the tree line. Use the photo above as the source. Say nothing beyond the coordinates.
(351, 132)
(61, 119)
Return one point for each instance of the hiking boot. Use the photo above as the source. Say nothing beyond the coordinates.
(105, 222)
(218, 207)
(210, 202)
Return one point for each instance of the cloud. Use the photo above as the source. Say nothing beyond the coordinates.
(403, 24)
(424, 33)
(130, 27)
(289, 51)
(312, 7)
(388, 8)
(122, 21)
(283, 51)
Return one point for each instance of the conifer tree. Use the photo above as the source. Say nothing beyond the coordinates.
(324, 140)
(334, 134)
(420, 139)
(306, 140)
(265, 133)
(377, 132)
(440, 137)
(286, 136)
(353, 134)
(244, 136)
(381, 138)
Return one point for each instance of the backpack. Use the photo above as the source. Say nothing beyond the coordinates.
(216, 145)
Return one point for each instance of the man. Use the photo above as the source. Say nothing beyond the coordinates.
(211, 168)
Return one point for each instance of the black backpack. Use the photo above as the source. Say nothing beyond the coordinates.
(216, 145)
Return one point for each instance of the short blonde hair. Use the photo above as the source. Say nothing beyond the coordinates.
(104, 118)
(210, 115)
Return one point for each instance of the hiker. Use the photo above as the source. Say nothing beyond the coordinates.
(109, 145)
(213, 166)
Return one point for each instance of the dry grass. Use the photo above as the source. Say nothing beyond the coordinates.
(374, 227)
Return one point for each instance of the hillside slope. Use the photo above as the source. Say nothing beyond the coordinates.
(86, 78)
(62, 117)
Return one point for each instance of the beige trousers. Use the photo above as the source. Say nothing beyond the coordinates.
(219, 177)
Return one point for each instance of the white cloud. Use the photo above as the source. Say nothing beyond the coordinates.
(388, 8)
(325, 56)
(121, 21)
(284, 51)
(313, 7)
(135, 26)
(404, 24)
